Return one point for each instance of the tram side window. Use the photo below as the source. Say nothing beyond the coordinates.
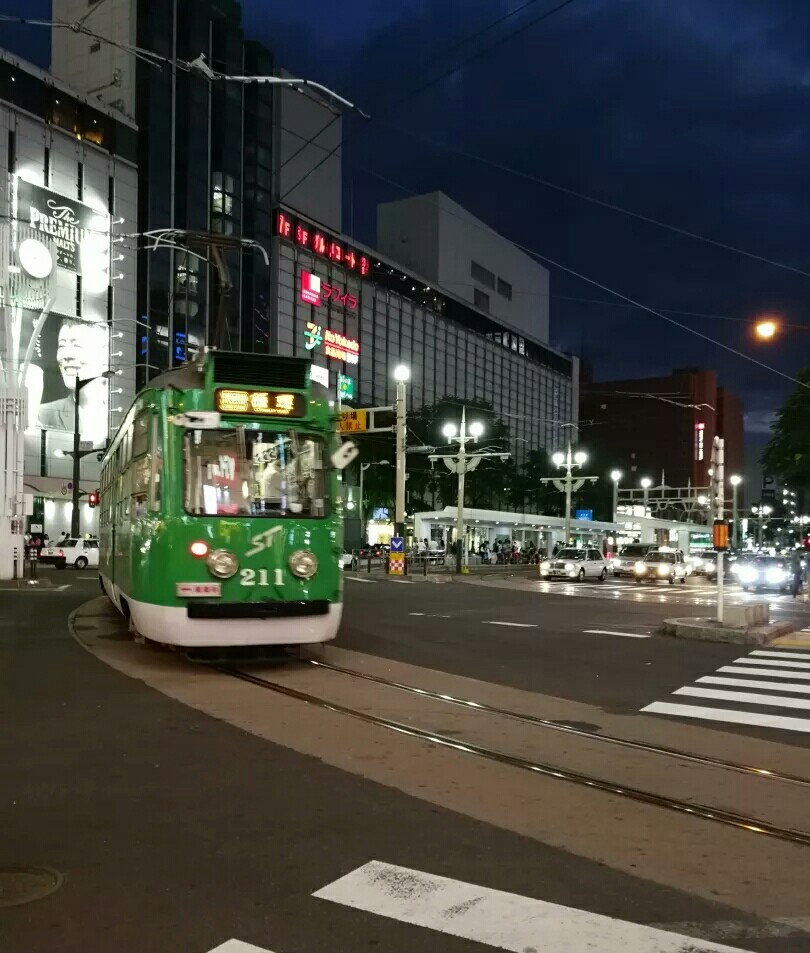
(140, 469)
(157, 465)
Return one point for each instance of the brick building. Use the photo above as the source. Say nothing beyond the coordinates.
(662, 424)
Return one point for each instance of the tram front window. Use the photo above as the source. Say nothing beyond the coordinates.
(254, 473)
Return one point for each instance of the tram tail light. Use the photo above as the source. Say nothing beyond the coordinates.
(199, 549)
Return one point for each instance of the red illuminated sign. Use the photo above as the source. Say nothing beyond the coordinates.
(320, 243)
(311, 288)
(284, 225)
(314, 291)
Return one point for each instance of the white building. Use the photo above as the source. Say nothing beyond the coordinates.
(437, 238)
(68, 187)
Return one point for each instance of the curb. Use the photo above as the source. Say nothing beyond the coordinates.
(709, 630)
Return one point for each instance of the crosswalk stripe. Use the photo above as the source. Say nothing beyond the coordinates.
(495, 918)
(761, 661)
(745, 698)
(794, 655)
(755, 683)
(770, 672)
(729, 715)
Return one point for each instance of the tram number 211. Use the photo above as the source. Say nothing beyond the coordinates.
(254, 577)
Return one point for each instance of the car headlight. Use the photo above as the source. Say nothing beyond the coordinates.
(775, 576)
(663, 570)
(617, 563)
(569, 567)
(747, 574)
(303, 563)
(222, 563)
(640, 568)
(545, 564)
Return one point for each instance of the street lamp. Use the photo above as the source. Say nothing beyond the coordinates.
(461, 466)
(762, 511)
(568, 485)
(616, 476)
(735, 481)
(646, 483)
(766, 329)
(402, 375)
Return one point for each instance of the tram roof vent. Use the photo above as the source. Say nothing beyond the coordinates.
(261, 370)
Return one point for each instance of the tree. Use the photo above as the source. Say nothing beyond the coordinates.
(787, 454)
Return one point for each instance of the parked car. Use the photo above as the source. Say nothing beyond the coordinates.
(623, 562)
(661, 566)
(578, 564)
(80, 553)
(765, 572)
(52, 555)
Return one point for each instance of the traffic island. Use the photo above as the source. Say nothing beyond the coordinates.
(741, 625)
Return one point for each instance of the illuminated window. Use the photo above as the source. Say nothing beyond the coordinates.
(222, 194)
(699, 441)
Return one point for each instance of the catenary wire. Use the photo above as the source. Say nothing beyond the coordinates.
(448, 72)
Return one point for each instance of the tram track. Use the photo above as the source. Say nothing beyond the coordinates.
(729, 818)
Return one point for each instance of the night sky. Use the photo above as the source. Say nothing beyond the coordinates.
(687, 111)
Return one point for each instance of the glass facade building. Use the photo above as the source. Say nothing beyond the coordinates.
(205, 158)
(451, 349)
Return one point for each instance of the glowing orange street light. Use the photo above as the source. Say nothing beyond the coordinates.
(766, 329)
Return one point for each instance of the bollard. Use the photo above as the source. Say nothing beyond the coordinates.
(425, 567)
(369, 564)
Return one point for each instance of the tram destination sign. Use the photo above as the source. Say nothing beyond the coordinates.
(259, 403)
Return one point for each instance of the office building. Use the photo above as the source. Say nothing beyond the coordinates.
(68, 193)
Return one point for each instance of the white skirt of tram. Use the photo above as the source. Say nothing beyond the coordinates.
(171, 625)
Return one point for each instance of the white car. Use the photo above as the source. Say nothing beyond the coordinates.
(661, 566)
(80, 553)
(576, 564)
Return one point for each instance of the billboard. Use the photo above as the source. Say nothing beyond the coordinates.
(56, 282)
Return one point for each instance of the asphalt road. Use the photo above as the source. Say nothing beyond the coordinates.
(176, 832)
(581, 642)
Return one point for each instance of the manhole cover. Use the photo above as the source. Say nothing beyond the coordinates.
(19, 885)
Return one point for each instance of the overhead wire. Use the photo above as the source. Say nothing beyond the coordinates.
(448, 72)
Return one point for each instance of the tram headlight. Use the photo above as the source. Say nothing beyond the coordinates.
(303, 563)
(222, 564)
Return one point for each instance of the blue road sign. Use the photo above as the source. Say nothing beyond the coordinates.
(397, 544)
(584, 515)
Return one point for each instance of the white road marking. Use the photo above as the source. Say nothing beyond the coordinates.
(66, 586)
(740, 929)
(85, 578)
(408, 582)
(745, 698)
(237, 946)
(794, 655)
(507, 921)
(359, 579)
(626, 635)
(762, 661)
(516, 625)
(727, 714)
(770, 672)
(755, 683)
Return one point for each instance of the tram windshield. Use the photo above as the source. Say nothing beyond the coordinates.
(254, 473)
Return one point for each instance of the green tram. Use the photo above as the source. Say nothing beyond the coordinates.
(220, 513)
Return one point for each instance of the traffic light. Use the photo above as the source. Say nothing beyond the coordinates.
(92, 499)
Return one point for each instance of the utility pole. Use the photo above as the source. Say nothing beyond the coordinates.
(735, 530)
(401, 375)
(720, 529)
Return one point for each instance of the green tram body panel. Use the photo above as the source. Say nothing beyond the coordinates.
(145, 543)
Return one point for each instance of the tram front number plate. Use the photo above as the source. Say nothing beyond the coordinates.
(189, 590)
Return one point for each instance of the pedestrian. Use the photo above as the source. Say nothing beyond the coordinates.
(796, 568)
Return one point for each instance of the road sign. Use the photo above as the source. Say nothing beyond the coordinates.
(396, 564)
(353, 421)
(85, 445)
(346, 387)
(584, 515)
(397, 544)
